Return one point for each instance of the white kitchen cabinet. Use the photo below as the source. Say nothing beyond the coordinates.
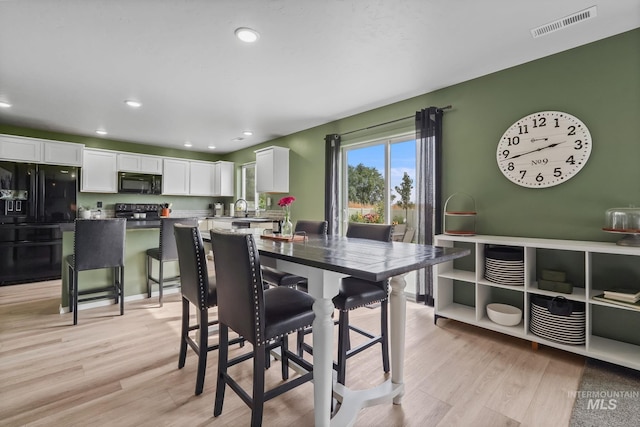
(175, 177)
(62, 153)
(272, 170)
(99, 171)
(20, 149)
(462, 291)
(140, 163)
(225, 225)
(223, 179)
(201, 177)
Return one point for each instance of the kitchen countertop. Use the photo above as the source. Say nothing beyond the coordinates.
(131, 225)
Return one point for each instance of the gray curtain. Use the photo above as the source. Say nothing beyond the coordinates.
(332, 186)
(428, 189)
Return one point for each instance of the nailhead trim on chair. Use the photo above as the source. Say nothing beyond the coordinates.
(201, 287)
(255, 280)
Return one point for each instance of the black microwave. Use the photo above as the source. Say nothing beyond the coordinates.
(139, 183)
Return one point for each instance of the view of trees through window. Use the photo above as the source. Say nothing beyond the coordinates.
(380, 182)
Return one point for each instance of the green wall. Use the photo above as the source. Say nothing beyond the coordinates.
(599, 83)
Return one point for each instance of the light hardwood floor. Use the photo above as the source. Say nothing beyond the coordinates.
(113, 370)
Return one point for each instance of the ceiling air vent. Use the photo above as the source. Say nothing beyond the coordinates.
(559, 24)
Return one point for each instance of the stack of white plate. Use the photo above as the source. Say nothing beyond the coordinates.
(504, 266)
(563, 329)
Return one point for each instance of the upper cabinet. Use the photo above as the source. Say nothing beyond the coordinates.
(140, 163)
(34, 150)
(223, 174)
(201, 177)
(62, 153)
(175, 177)
(99, 171)
(272, 170)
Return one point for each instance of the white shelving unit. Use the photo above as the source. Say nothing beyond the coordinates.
(462, 293)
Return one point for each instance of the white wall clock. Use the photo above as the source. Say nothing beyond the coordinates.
(544, 149)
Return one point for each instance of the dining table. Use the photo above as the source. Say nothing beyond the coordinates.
(324, 261)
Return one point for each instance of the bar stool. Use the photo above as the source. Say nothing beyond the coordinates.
(263, 317)
(165, 252)
(199, 289)
(98, 243)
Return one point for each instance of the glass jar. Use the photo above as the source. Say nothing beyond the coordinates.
(624, 220)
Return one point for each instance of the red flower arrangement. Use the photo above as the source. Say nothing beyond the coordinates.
(286, 201)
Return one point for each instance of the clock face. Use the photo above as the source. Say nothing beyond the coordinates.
(544, 149)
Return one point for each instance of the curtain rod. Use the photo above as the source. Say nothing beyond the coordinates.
(389, 122)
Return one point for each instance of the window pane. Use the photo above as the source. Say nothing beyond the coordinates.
(366, 184)
(402, 181)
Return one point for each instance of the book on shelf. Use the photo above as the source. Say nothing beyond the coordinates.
(633, 305)
(623, 294)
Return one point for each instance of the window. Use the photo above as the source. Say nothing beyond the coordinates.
(379, 181)
(248, 187)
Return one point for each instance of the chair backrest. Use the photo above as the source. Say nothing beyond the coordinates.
(311, 227)
(168, 249)
(194, 276)
(99, 243)
(239, 284)
(408, 235)
(381, 232)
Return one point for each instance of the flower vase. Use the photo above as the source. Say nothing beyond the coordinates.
(287, 226)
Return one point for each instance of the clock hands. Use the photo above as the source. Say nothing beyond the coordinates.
(536, 150)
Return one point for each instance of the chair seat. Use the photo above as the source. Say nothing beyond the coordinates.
(355, 293)
(286, 310)
(154, 253)
(281, 278)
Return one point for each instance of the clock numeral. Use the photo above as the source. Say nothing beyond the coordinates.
(578, 145)
(522, 174)
(570, 160)
(505, 153)
(539, 178)
(542, 121)
(513, 141)
(572, 130)
(510, 166)
(523, 129)
(557, 124)
(557, 172)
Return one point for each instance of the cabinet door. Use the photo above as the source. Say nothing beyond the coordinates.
(223, 179)
(20, 149)
(175, 177)
(63, 153)
(99, 171)
(201, 179)
(272, 170)
(139, 163)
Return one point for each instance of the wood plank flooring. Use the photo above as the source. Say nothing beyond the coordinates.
(113, 370)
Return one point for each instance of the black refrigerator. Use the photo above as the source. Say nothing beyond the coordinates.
(34, 201)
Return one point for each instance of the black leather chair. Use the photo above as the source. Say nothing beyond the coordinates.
(199, 289)
(263, 317)
(98, 243)
(277, 277)
(355, 293)
(165, 252)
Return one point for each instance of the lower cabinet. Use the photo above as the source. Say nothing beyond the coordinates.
(463, 288)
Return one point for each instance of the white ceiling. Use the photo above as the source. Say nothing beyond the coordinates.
(68, 65)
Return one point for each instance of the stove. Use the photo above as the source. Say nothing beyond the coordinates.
(133, 210)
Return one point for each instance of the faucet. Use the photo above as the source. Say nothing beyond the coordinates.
(241, 204)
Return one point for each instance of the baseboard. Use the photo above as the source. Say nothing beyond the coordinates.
(106, 302)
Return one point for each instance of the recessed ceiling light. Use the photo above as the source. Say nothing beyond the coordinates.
(188, 144)
(212, 147)
(247, 35)
(247, 133)
(101, 132)
(132, 103)
(4, 104)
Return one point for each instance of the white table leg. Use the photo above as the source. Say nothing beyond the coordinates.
(323, 286)
(398, 306)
